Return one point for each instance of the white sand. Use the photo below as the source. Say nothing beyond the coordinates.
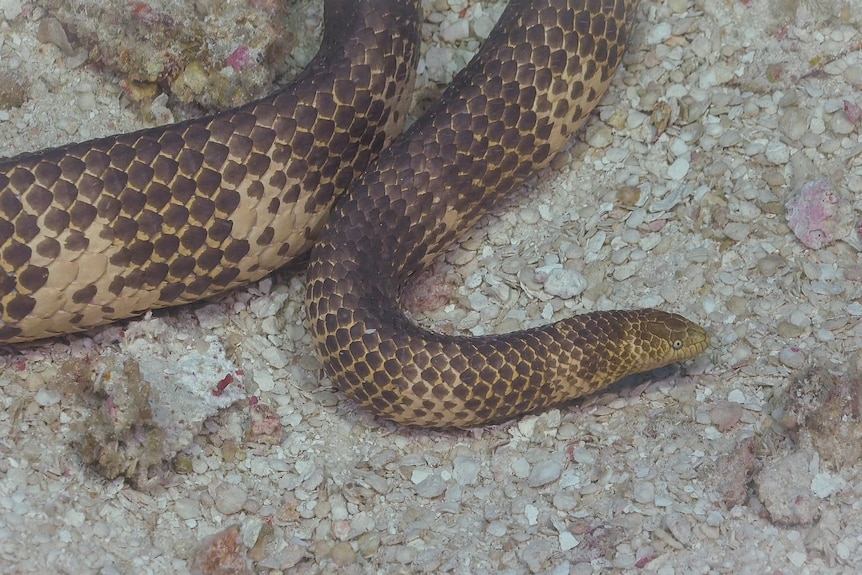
(673, 197)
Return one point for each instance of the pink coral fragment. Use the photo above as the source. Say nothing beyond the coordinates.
(223, 553)
(264, 425)
(812, 214)
(240, 58)
(853, 111)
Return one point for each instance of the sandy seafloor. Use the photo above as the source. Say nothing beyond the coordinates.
(743, 460)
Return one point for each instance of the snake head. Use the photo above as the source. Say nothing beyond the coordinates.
(663, 338)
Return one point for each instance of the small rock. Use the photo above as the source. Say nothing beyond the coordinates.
(229, 499)
(737, 231)
(51, 31)
(679, 526)
(86, 101)
(483, 25)
(368, 543)
(431, 487)
(567, 541)
(734, 473)
(841, 124)
(659, 33)
(785, 489)
(777, 152)
(187, 508)
(644, 492)
(537, 554)
(563, 282)
(47, 397)
(457, 30)
(478, 301)
(531, 512)
(544, 473)
(853, 112)
(275, 357)
(599, 136)
(725, 415)
(678, 169)
(223, 552)
(465, 470)
(343, 554)
(11, 9)
(825, 484)
(792, 357)
(496, 528)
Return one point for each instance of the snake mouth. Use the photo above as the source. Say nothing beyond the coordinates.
(666, 338)
(700, 343)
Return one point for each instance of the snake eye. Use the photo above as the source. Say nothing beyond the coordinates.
(677, 344)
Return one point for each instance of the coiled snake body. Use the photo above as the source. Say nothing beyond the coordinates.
(106, 229)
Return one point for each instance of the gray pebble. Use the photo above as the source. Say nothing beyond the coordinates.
(544, 473)
(600, 136)
(678, 169)
(465, 470)
(792, 357)
(737, 231)
(187, 508)
(431, 487)
(840, 124)
(86, 101)
(679, 526)
(659, 33)
(777, 152)
(725, 415)
(565, 283)
(47, 397)
(729, 138)
(537, 554)
(229, 499)
(343, 553)
(644, 492)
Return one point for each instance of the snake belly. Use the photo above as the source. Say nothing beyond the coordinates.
(107, 229)
(530, 87)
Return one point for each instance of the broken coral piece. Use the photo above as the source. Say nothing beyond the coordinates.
(223, 553)
(157, 391)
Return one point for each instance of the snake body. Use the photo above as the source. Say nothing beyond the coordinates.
(531, 86)
(107, 229)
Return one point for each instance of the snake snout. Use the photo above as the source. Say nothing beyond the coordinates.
(670, 338)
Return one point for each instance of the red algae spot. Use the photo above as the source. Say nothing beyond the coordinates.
(222, 385)
(148, 14)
